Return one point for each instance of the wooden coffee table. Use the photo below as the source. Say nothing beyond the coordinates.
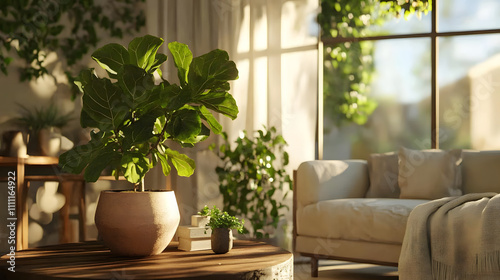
(91, 260)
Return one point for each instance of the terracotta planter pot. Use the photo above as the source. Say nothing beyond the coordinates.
(222, 240)
(137, 223)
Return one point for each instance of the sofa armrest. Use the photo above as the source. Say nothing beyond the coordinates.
(330, 179)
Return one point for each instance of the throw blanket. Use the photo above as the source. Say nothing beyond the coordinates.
(453, 238)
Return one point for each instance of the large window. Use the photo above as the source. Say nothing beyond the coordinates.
(427, 81)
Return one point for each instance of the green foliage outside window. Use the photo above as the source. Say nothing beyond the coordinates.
(30, 29)
(348, 67)
(253, 180)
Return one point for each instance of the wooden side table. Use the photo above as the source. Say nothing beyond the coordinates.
(91, 260)
(22, 184)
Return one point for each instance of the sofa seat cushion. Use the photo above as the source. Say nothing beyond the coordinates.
(363, 219)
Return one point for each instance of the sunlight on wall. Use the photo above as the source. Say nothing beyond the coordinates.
(298, 24)
(260, 29)
(36, 213)
(244, 39)
(48, 199)
(45, 86)
(260, 91)
(35, 232)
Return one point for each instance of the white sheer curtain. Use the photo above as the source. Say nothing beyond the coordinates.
(274, 44)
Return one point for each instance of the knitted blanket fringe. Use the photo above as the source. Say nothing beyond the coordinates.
(453, 238)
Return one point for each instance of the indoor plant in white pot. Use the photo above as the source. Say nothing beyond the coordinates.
(134, 115)
(43, 126)
(222, 225)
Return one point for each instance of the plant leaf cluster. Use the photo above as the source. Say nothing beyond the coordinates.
(220, 219)
(33, 120)
(33, 28)
(348, 67)
(253, 181)
(133, 115)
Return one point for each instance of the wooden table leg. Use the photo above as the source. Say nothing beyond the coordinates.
(21, 211)
(82, 211)
(65, 231)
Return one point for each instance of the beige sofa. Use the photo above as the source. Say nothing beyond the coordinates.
(334, 219)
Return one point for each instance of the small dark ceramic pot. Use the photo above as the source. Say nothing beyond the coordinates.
(222, 240)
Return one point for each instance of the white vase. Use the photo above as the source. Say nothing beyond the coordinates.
(137, 223)
(49, 140)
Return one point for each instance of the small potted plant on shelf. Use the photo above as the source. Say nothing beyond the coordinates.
(253, 180)
(134, 114)
(43, 126)
(222, 225)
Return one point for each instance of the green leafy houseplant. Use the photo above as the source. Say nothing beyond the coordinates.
(220, 219)
(134, 115)
(43, 126)
(253, 180)
(33, 120)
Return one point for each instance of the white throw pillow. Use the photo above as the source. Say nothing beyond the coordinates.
(429, 174)
(383, 171)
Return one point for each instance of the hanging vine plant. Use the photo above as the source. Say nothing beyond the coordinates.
(31, 29)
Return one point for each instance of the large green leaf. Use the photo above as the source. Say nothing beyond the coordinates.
(165, 166)
(184, 165)
(182, 58)
(221, 102)
(185, 125)
(134, 166)
(102, 101)
(87, 121)
(172, 97)
(159, 59)
(211, 120)
(142, 51)
(139, 131)
(111, 57)
(99, 163)
(76, 159)
(136, 84)
(211, 70)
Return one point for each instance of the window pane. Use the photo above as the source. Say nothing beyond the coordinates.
(461, 15)
(298, 23)
(469, 92)
(398, 81)
(371, 18)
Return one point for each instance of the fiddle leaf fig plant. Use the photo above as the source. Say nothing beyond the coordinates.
(133, 115)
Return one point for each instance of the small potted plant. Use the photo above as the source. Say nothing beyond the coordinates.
(134, 114)
(43, 126)
(222, 225)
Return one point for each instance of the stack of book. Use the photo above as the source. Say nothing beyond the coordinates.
(196, 236)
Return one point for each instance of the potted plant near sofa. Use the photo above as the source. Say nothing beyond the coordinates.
(253, 180)
(134, 115)
(221, 224)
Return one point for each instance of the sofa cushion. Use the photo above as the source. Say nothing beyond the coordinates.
(429, 174)
(363, 219)
(383, 170)
(481, 171)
